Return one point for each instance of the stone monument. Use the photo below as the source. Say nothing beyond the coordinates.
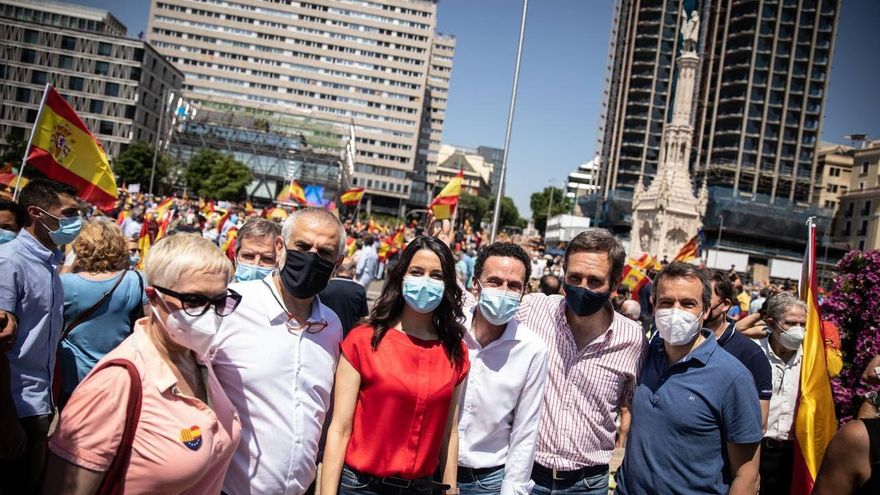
(667, 214)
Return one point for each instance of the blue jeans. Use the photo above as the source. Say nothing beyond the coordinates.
(481, 484)
(590, 485)
(352, 483)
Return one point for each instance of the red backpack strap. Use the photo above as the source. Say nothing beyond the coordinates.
(114, 478)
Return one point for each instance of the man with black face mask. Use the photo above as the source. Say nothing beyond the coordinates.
(595, 355)
(276, 357)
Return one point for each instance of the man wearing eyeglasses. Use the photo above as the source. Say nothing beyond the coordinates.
(276, 357)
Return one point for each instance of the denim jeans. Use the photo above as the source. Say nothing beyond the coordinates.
(481, 484)
(591, 485)
(351, 483)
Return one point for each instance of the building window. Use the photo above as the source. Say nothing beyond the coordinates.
(102, 68)
(135, 74)
(38, 77)
(865, 166)
(23, 95)
(68, 43)
(866, 210)
(31, 115)
(130, 111)
(75, 83)
(864, 228)
(105, 127)
(28, 56)
(65, 62)
(96, 106)
(862, 245)
(111, 89)
(104, 49)
(31, 36)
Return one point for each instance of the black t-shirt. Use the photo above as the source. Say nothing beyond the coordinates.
(751, 356)
(348, 299)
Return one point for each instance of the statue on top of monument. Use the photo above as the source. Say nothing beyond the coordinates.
(690, 31)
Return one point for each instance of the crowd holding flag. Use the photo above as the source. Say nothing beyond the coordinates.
(443, 206)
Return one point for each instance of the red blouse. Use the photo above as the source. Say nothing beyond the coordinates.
(400, 417)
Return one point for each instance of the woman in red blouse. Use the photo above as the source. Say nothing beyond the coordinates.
(398, 384)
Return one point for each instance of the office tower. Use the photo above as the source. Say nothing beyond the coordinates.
(583, 181)
(115, 83)
(760, 99)
(310, 68)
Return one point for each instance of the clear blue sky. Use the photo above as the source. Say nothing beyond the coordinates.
(562, 79)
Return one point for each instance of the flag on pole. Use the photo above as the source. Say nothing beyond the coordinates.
(63, 149)
(692, 250)
(352, 197)
(223, 220)
(634, 277)
(815, 422)
(444, 204)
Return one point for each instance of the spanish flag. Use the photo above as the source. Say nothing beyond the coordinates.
(64, 149)
(352, 197)
(297, 194)
(692, 250)
(634, 277)
(163, 206)
(815, 422)
(444, 204)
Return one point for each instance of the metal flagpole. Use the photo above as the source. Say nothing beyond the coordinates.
(162, 111)
(27, 149)
(497, 213)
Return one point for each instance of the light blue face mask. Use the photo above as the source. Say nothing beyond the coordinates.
(422, 294)
(134, 259)
(498, 306)
(244, 273)
(68, 229)
(6, 236)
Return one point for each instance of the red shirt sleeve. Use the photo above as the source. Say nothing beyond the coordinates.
(355, 343)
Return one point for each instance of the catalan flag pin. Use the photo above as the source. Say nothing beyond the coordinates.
(191, 437)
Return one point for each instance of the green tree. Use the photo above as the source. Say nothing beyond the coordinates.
(134, 165)
(509, 214)
(13, 150)
(215, 175)
(474, 207)
(541, 200)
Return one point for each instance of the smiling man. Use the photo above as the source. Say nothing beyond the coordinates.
(594, 356)
(696, 421)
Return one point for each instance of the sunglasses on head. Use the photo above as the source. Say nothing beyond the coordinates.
(198, 304)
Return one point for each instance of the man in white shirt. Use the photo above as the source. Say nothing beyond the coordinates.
(786, 319)
(501, 403)
(277, 357)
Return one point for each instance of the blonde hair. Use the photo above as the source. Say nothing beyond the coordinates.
(176, 254)
(100, 247)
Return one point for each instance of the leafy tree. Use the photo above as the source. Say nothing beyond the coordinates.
(509, 214)
(13, 151)
(474, 207)
(134, 165)
(212, 174)
(541, 200)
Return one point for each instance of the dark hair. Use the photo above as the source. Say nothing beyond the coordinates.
(43, 193)
(447, 317)
(505, 249)
(18, 212)
(368, 240)
(546, 287)
(724, 287)
(597, 240)
(257, 228)
(679, 269)
(765, 293)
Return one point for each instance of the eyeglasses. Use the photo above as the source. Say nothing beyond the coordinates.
(309, 326)
(198, 304)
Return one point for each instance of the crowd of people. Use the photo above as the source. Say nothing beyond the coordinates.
(169, 347)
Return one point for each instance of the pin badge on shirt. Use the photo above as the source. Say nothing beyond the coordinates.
(191, 437)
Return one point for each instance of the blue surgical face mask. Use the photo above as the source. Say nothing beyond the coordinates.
(498, 306)
(6, 236)
(68, 229)
(422, 294)
(134, 259)
(244, 273)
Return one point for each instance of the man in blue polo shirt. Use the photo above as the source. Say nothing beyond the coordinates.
(737, 344)
(696, 421)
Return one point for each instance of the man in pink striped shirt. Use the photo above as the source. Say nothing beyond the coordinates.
(594, 358)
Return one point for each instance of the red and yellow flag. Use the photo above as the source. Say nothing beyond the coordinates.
(64, 149)
(297, 194)
(223, 220)
(444, 204)
(634, 278)
(692, 250)
(815, 421)
(352, 197)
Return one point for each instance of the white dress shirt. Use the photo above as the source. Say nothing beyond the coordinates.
(280, 382)
(501, 403)
(786, 383)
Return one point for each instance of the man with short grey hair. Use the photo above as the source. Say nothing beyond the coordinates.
(631, 309)
(255, 256)
(276, 357)
(786, 320)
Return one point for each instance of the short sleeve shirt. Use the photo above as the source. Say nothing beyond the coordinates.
(683, 417)
(751, 356)
(407, 386)
(181, 445)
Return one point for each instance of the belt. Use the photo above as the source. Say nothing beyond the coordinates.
(772, 443)
(577, 474)
(395, 482)
(472, 473)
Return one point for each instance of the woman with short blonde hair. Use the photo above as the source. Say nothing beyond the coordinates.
(157, 389)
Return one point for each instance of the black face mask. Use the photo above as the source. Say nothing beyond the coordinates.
(305, 274)
(584, 302)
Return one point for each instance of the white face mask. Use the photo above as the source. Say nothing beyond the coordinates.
(195, 333)
(792, 338)
(677, 326)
